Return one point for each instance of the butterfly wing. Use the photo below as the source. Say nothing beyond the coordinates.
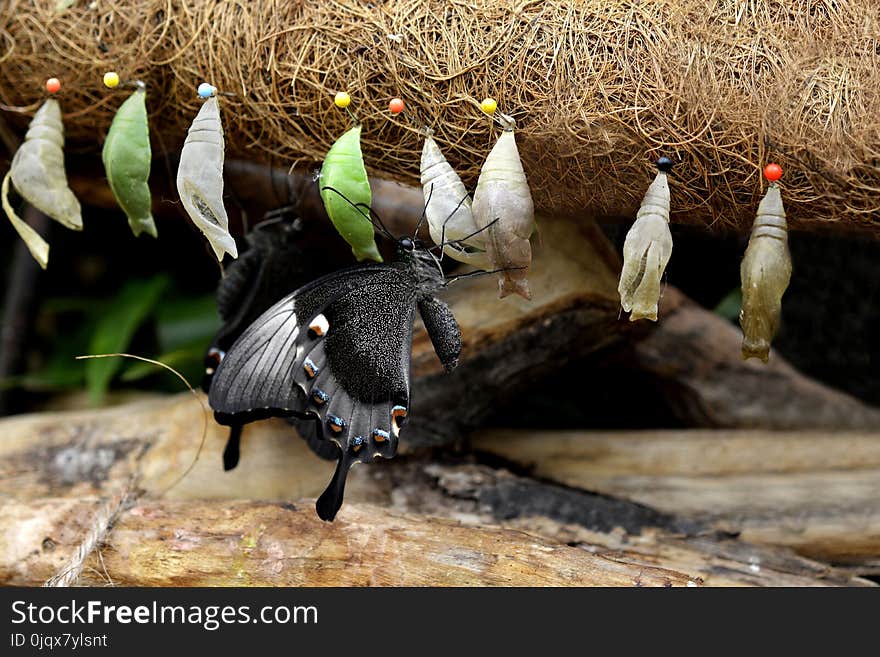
(335, 353)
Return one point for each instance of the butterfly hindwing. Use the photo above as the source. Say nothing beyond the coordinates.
(336, 355)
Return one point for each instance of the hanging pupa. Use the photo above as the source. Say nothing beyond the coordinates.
(765, 272)
(38, 174)
(503, 208)
(345, 191)
(448, 209)
(127, 158)
(200, 175)
(646, 250)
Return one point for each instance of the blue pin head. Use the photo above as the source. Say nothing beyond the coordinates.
(206, 90)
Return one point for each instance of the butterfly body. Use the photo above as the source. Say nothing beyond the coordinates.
(335, 354)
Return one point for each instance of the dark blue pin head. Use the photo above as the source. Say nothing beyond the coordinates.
(664, 164)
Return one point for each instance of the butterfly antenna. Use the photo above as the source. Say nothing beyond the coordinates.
(380, 225)
(370, 216)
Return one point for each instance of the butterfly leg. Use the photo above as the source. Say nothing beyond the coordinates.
(231, 453)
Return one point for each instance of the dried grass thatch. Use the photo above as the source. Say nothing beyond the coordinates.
(599, 89)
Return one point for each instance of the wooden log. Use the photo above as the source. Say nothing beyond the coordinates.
(81, 456)
(262, 544)
(693, 357)
(603, 524)
(86, 453)
(509, 344)
(815, 492)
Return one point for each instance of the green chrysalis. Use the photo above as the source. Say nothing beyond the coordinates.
(127, 158)
(344, 175)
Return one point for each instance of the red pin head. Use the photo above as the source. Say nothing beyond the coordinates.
(396, 106)
(773, 172)
(53, 85)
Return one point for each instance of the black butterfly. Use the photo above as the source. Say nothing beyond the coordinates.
(273, 265)
(335, 354)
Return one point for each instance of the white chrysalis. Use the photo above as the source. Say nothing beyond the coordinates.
(448, 209)
(765, 273)
(646, 250)
(200, 178)
(503, 206)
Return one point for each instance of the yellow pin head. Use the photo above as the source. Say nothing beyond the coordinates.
(489, 105)
(342, 100)
(111, 79)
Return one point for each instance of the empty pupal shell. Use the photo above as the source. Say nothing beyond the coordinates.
(200, 179)
(127, 159)
(38, 247)
(502, 196)
(346, 193)
(38, 174)
(646, 252)
(765, 273)
(448, 209)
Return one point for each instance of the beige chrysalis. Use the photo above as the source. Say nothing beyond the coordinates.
(38, 175)
(646, 250)
(765, 273)
(200, 178)
(503, 207)
(448, 208)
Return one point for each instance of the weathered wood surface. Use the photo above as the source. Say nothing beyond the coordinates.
(818, 493)
(604, 524)
(68, 461)
(261, 544)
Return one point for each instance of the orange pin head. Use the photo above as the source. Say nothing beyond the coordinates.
(773, 172)
(53, 85)
(396, 105)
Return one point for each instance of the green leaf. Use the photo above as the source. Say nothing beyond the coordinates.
(182, 322)
(176, 359)
(60, 371)
(116, 328)
(729, 306)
